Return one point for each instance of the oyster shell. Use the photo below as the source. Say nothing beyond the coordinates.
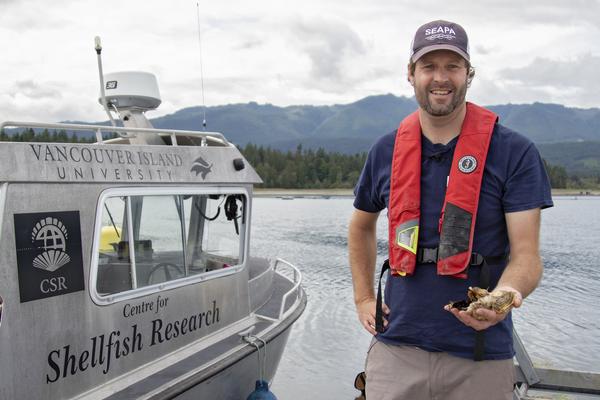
(500, 301)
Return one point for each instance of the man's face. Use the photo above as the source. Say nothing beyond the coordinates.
(440, 82)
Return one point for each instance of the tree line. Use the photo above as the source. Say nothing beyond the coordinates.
(299, 169)
(558, 176)
(318, 169)
(30, 135)
(304, 168)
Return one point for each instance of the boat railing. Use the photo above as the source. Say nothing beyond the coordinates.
(545, 379)
(295, 290)
(123, 132)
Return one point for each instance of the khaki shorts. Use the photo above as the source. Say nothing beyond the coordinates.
(407, 372)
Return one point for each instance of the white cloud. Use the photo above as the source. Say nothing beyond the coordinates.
(33, 90)
(564, 81)
(290, 52)
(331, 46)
(580, 72)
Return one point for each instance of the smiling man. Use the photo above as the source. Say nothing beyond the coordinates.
(463, 195)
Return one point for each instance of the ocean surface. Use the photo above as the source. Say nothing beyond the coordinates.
(559, 323)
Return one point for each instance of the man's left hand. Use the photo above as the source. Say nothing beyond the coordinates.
(487, 317)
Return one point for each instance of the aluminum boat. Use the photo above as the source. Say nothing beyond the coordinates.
(125, 270)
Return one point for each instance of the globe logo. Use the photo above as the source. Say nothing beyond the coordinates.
(51, 236)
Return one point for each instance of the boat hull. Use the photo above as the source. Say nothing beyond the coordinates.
(231, 377)
(170, 305)
(237, 381)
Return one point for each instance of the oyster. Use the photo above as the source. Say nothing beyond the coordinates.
(500, 301)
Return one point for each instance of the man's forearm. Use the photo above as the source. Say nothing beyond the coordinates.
(524, 270)
(362, 246)
(522, 273)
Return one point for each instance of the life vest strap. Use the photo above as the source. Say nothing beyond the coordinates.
(379, 303)
(484, 282)
(429, 255)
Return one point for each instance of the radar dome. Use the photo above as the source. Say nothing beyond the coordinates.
(131, 89)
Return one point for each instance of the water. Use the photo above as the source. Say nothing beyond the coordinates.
(559, 322)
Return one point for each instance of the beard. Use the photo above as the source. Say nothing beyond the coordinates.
(436, 109)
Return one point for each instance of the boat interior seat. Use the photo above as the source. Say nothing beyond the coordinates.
(114, 269)
(114, 278)
(143, 250)
(151, 267)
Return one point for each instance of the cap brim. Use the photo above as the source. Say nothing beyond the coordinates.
(434, 47)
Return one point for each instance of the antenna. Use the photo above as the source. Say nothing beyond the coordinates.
(201, 70)
(98, 47)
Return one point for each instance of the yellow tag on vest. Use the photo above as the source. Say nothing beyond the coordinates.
(408, 237)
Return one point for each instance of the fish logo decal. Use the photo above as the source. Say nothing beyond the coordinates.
(200, 166)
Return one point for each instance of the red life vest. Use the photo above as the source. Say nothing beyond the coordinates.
(457, 220)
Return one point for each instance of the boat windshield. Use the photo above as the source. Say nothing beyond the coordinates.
(173, 236)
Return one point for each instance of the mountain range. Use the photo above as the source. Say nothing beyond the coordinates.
(352, 128)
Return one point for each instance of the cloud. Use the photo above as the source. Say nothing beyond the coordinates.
(6, 2)
(309, 52)
(33, 100)
(506, 12)
(249, 44)
(33, 90)
(569, 81)
(580, 72)
(46, 109)
(332, 47)
(24, 16)
(482, 50)
(555, 12)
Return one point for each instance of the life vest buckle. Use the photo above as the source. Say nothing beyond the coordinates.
(476, 259)
(427, 255)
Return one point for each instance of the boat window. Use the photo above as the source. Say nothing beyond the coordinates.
(174, 236)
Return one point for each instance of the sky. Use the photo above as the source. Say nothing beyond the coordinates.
(317, 52)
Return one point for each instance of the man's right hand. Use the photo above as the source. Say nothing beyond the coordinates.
(366, 314)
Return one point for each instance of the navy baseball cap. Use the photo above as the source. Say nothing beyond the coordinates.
(440, 35)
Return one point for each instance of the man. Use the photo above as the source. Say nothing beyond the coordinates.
(450, 168)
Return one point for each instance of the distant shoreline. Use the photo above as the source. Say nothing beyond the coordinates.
(278, 192)
(575, 192)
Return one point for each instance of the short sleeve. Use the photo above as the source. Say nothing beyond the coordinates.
(372, 188)
(527, 185)
(364, 197)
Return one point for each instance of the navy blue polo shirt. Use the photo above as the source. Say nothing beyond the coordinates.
(514, 179)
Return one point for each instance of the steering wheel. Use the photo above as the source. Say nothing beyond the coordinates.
(167, 269)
